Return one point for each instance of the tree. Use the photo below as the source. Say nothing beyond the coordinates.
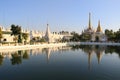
(25, 37)
(117, 36)
(86, 37)
(42, 40)
(0, 34)
(76, 36)
(110, 34)
(16, 31)
(20, 38)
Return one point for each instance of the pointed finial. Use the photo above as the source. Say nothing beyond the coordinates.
(99, 29)
(89, 26)
(99, 23)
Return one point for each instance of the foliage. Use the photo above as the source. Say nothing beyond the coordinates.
(42, 40)
(16, 31)
(25, 36)
(19, 38)
(113, 36)
(1, 34)
(76, 36)
(85, 37)
(110, 34)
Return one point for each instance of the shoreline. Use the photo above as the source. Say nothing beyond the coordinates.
(95, 43)
(24, 47)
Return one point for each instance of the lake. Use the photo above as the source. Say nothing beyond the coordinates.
(79, 62)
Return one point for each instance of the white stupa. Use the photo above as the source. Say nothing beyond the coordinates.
(48, 34)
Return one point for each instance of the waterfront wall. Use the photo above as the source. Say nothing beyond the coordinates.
(24, 47)
(94, 43)
(45, 45)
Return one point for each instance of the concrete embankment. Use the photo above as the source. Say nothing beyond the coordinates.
(23, 47)
(94, 43)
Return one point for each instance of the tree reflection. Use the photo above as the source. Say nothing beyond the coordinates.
(26, 55)
(1, 59)
(16, 58)
(113, 49)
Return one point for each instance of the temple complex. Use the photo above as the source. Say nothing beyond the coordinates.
(96, 34)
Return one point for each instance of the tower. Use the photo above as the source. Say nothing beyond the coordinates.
(48, 34)
(89, 24)
(99, 29)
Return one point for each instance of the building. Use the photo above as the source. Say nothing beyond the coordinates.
(55, 37)
(36, 35)
(96, 34)
(7, 37)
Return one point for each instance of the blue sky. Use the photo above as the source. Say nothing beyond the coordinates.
(68, 15)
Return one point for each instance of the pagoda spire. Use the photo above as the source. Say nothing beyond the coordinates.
(89, 25)
(48, 34)
(99, 29)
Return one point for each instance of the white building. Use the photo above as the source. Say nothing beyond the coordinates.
(7, 37)
(55, 37)
(48, 36)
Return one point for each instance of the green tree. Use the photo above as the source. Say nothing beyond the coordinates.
(19, 38)
(117, 36)
(25, 37)
(16, 31)
(0, 34)
(76, 36)
(42, 40)
(86, 37)
(110, 34)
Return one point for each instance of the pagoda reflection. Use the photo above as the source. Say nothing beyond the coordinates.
(92, 50)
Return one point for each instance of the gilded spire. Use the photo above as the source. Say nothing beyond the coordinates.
(99, 29)
(89, 25)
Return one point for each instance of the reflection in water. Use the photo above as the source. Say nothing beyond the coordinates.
(98, 50)
(26, 55)
(1, 59)
(61, 63)
(48, 51)
(16, 57)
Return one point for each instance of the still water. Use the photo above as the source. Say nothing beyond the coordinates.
(61, 63)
